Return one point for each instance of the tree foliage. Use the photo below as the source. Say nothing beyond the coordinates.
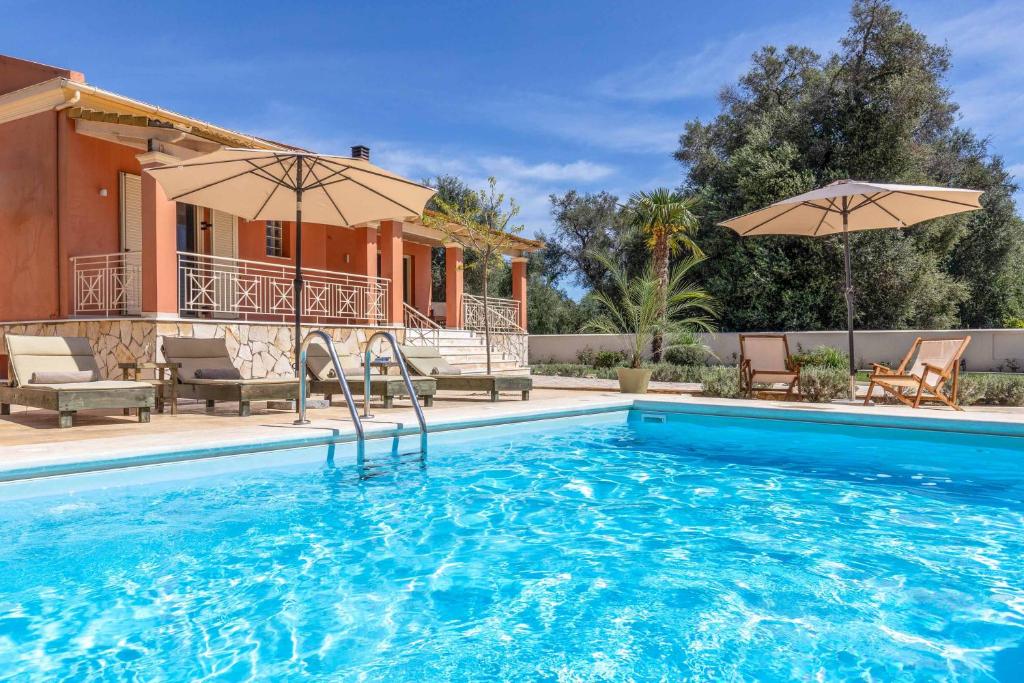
(639, 311)
(877, 109)
(666, 221)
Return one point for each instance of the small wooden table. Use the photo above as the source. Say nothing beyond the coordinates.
(166, 387)
(383, 364)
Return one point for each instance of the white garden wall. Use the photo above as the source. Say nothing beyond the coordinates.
(989, 349)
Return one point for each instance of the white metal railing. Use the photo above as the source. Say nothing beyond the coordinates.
(419, 329)
(254, 290)
(107, 284)
(503, 314)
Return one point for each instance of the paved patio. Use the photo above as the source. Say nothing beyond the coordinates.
(29, 438)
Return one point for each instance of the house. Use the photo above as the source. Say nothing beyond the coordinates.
(92, 246)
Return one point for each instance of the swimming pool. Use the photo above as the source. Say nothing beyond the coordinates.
(633, 545)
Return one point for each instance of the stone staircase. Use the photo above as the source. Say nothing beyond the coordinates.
(465, 349)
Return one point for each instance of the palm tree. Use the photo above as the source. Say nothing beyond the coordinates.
(666, 219)
(639, 310)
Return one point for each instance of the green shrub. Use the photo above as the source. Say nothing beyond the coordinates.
(821, 384)
(561, 369)
(992, 389)
(586, 356)
(695, 355)
(720, 381)
(609, 359)
(822, 357)
(670, 372)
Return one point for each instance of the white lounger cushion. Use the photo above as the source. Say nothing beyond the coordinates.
(318, 360)
(197, 354)
(31, 354)
(428, 361)
(100, 385)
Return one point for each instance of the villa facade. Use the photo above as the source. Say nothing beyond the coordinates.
(92, 246)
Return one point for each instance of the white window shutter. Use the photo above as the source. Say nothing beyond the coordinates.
(130, 192)
(225, 235)
(224, 244)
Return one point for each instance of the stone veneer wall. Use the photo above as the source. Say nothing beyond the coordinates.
(258, 349)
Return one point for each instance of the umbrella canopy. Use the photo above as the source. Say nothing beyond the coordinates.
(848, 205)
(867, 206)
(258, 184)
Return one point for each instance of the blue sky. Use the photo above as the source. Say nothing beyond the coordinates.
(544, 96)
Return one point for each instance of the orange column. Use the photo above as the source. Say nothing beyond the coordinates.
(453, 255)
(365, 256)
(519, 287)
(391, 253)
(159, 243)
(364, 260)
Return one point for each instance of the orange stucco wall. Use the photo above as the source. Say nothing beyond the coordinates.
(28, 218)
(19, 73)
(50, 204)
(90, 224)
(421, 290)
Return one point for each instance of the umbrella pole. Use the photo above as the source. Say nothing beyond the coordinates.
(297, 286)
(849, 299)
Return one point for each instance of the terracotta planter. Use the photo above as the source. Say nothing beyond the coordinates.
(633, 380)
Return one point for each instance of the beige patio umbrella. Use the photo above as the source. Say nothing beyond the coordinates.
(258, 184)
(848, 205)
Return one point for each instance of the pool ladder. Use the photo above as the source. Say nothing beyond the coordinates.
(349, 401)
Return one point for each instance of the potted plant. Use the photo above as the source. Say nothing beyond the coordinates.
(632, 310)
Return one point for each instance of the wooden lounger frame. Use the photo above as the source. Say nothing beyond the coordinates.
(749, 374)
(929, 386)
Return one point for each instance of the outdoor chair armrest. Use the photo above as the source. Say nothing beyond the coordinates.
(879, 369)
(934, 369)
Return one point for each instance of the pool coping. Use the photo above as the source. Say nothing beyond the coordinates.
(880, 417)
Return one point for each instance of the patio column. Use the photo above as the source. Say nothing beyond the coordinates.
(159, 242)
(453, 256)
(365, 259)
(365, 256)
(519, 286)
(391, 254)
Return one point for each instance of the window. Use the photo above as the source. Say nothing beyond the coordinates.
(275, 238)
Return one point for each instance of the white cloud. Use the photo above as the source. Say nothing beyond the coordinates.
(698, 74)
(701, 71)
(530, 184)
(583, 171)
(986, 77)
(588, 122)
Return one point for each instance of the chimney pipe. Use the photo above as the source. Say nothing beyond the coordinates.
(361, 152)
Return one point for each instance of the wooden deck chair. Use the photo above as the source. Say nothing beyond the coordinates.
(765, 359)
(936, 364)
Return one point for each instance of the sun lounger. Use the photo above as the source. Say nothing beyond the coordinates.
(936, 364)
(388, 387)
(61, 374)
(765, 359)
(208, 374)
(427, 361)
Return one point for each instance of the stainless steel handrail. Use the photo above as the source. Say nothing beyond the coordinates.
(303, 372)
(400, 361)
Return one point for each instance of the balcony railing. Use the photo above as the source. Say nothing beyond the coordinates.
(107, 284)
(218, 287)
(504, 314)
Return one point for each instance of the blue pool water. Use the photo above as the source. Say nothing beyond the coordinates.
(600, 548)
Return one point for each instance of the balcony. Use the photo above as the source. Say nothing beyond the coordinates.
(218, 287)
(232, 289)
(106, 285)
